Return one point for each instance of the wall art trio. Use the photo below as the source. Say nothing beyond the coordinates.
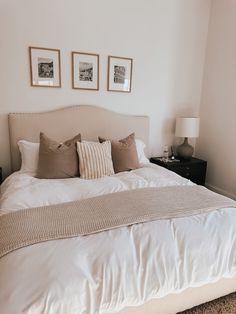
(45, 70)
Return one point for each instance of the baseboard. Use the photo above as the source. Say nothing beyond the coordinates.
(220, 191)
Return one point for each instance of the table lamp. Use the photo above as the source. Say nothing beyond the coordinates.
(186, 127)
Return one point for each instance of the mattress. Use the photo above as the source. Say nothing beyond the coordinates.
(107, 271)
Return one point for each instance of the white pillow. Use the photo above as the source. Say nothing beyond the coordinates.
(94, 159)
(140, 151)
(29, 155)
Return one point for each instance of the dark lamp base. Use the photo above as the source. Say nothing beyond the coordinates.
(185, 151)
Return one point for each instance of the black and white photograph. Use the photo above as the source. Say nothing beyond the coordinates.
(85, 70)
(119, 74)
(45, 67)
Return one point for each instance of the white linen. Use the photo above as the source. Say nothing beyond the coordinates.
(22, 190)
(140, 146)
(104, 272)
(29, 155)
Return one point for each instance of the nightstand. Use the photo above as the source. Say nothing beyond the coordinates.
(193, 169)
(0, 175)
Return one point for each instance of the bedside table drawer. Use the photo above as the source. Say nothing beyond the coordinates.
(194, 172)
(188, 171)
(193, 169)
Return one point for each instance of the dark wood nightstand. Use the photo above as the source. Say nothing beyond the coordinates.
(193, 169)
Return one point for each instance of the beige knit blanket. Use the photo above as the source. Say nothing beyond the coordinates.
(29, 226)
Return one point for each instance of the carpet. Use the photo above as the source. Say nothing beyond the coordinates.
(224, 305)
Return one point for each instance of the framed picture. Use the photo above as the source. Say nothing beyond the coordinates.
(119, 74)
(85, 70)
(45, 67)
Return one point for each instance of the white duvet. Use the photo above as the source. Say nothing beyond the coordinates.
(104, 272)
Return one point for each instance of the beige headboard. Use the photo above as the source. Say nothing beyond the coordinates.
(64, 123)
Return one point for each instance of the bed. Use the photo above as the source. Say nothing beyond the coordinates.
(160, 266)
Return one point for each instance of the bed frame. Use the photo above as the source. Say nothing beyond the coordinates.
(92, 121)
(65, 123)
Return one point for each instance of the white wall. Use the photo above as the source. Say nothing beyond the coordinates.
(166, 39)
(217, 141)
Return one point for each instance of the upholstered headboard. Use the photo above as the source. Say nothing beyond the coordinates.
(64, 123)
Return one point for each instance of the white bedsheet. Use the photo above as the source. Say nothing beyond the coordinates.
(104, 272)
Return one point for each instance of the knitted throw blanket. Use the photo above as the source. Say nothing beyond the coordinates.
(29, 226)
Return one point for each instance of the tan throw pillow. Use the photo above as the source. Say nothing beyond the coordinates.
(57, 160)
(95, 160)
(124, 153)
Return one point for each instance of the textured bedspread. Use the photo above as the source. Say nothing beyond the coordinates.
(34, 225)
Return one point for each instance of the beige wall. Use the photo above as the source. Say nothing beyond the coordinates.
(217, 141)
(166, 38)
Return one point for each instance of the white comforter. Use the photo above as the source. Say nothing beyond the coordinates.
(104, 272)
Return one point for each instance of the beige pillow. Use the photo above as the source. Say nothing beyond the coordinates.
(95, 160)
(57, 160)
(124, 153)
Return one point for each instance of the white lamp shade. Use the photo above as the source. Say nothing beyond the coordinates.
(187, 127)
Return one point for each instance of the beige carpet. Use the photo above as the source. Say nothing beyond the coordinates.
(224, 305)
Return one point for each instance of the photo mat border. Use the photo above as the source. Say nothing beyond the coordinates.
(73, 53)
(108, 74)
(30, 48)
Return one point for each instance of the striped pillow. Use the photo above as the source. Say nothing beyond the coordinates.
(94, 159)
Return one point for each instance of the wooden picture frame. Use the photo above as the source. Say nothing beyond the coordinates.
(85, 70)
(45, 67)
(119, 77)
